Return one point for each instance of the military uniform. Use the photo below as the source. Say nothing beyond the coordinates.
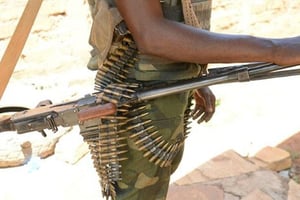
(150, 134)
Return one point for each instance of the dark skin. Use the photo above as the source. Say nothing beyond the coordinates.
(148, 26)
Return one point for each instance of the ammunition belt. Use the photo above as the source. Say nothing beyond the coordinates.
(106, 139)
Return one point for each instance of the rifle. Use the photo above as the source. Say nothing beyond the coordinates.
(85, 111)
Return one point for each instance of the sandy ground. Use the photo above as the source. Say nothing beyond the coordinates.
(249, 115)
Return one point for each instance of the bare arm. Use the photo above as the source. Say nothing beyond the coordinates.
(158, 36)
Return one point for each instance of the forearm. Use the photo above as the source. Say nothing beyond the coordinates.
(183, 43)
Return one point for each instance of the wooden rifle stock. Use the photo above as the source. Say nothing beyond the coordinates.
(97, 112)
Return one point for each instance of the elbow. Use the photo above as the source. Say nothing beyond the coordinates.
(146, 43)
(142, 45)
(148, 36)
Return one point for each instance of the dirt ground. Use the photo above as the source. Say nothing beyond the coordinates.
(53, 66)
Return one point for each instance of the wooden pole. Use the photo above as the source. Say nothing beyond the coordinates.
(17, 42)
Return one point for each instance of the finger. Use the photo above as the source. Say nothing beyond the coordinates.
(205, 117)
(209, 112)
(198, 113)
(210, 104)
(210, 109)
(201, 119)
(208, 116)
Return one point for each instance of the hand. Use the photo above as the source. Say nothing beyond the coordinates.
(205, 103)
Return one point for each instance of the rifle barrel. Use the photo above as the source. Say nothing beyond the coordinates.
(182, 86)
(242, 73)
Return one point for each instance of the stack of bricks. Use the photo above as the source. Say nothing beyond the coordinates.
(230, 176)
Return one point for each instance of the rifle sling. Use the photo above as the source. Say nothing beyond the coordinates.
(12, 109)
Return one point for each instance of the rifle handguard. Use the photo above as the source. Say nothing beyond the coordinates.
(97, 112)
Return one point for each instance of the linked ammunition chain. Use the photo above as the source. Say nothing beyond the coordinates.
(116, 67)
(105, 140)
(107, 137)
(187, 118)
(148, 140)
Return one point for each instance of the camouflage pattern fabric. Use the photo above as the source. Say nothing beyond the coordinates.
(142, 179)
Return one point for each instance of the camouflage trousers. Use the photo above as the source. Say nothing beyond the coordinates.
(142, 179)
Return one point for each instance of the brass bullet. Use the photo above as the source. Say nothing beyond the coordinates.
(153, 149)
(146, 137)
(145, 146)
(139, 124)
(141, 132)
